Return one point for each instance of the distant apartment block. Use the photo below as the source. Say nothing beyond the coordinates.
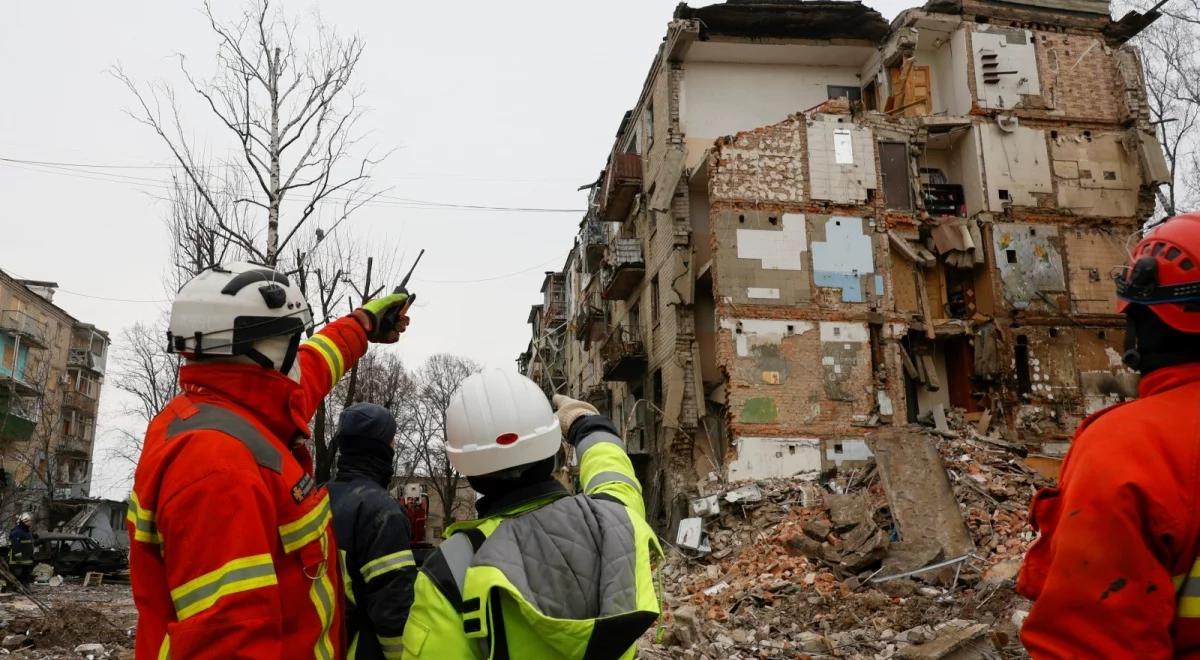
(51, 373)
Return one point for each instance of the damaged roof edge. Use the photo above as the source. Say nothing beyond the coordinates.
(787, 19)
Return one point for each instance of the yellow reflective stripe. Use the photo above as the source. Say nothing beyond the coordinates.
(386, 563)
(321, 595)
(329, 351)
(164, 650)
(239, 575)
(307, 528)
(353, 653)
(346, 584)
(393, 647)
(145, 529)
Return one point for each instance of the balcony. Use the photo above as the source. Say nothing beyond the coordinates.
(85, 359)
(624, 355)
(597, 395)
(17, 384)
(622, 182)
(624, 268)
(588, 322)
(594, 240)
(77, 442)
(17, 421)
(554, 299)
(30, 330)
(76, 400)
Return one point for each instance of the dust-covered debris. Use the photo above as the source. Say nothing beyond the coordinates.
(84, 622)
(832, 579)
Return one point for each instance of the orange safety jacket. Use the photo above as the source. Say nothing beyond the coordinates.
(233, 555)
(1115, 572)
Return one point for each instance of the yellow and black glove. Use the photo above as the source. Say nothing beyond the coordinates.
(384, 318)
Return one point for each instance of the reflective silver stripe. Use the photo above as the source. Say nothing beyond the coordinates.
(391, 646)
(387, 563)
(323, 589)
(318, 518)
(605, 477)
(458, 553)
(596, 438)
(225, 582)
(1190, 589)
(216, 418)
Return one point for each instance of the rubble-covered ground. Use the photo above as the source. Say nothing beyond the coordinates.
(802, 572)
(94, 621)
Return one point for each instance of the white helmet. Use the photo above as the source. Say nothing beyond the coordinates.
(26, 518)
(498, 420)
(240, 309)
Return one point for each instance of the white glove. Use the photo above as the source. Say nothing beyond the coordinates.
(568, 410)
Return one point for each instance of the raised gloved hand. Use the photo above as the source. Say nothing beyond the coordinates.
(384, 318)
(568, 410)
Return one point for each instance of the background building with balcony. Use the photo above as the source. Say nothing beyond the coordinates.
(52, 370)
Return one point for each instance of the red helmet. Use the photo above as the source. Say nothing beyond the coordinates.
(1164, 273)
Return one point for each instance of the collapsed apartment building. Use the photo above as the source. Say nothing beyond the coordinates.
(814, 223)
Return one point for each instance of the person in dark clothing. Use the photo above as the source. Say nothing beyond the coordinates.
(372, 532)
(20, 548)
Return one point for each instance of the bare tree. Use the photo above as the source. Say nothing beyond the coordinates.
(425, 428)
(197, 240)
(1170, 60)
(283, 95)
(145, 370)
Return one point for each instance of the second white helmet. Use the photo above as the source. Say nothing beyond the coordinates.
(239, 309)
(499, 420)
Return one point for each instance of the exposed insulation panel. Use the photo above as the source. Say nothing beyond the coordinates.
(1092, 255)
(845, 259)
(841, 159)
(1016, 165)
(1029, 263)
(1005, 66)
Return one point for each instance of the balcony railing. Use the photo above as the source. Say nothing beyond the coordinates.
(624, 355)
(624, 268)
(22, 325)
(76, 400)
(622, 182)
(594, 240)
(83, 358)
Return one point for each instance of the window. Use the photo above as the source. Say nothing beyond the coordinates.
(654, 300)
(649, 130)
(851, 93)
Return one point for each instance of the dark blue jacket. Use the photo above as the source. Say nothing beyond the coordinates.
(20, 545)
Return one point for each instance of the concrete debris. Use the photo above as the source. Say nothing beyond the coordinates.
(796, 575)
(749, 494)
(94, 622)
(958, 640)
(691, 535)
(706, 506)
(42, 572)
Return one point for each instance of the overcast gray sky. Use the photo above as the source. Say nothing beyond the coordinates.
(489, 103)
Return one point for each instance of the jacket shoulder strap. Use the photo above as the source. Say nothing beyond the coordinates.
(208, 417)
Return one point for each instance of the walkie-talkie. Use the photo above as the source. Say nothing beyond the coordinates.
(389, 319)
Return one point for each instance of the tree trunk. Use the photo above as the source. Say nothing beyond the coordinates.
(322, 452)
(275, 198)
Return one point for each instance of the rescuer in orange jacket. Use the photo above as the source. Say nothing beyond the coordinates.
(1114, 573)
(233, 555)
